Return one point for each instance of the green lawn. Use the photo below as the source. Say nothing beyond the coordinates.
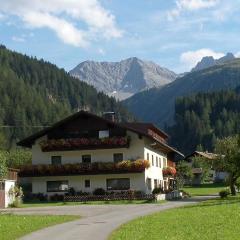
(204, 189)
(48, 204)
(215, 219)
(15, 226)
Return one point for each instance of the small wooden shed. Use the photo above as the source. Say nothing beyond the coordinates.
(5, 185)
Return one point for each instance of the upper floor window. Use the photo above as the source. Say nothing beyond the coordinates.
(160, 162)
(56, 160)
(104, 134)
(152, 160)
(117, 157)
(86, 158)
(156, 161)
(164, 162)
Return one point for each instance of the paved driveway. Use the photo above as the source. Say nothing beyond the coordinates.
(98, 221)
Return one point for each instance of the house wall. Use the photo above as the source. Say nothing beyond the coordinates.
(39, 184)
(154, 172)
(8, 185)
(135, 151)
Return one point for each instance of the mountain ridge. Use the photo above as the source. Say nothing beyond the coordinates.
(124, 78)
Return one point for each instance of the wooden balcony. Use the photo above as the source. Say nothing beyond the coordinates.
(12, 174)
(72, 144)
(95, 168)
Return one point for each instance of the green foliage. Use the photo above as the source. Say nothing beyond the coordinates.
(202, 118)
(3, 166)
(229, 159)
(203, 163)
(184, 173)
(224, 193)
(18, 157)
(35, 94)
(157, 190)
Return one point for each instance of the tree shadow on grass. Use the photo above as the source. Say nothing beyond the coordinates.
(215, 202)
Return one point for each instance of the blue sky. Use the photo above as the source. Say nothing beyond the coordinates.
(174, 33)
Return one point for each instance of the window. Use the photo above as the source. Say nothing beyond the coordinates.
(117, 157)
(86, 158)
(164, 162)
(148, 156)
(103, 134)
(152, 161)
(2, 185)
(57, 186)
(155, 183)
(149, 183)
(87, 183)
(156, 161)
(118, 184)
(56, 160)
(160, 162)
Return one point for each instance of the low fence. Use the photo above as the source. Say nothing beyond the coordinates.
(112, 197)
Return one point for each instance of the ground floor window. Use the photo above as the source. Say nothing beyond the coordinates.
(149, 183)
(118, 184)
(57, 186)
(155, 183)
(87, 183)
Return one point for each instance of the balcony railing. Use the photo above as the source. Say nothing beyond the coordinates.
(95, 168)
(83, 143)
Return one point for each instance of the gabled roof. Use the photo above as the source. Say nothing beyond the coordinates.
(207, 155)
(139, 128)
(144, 127)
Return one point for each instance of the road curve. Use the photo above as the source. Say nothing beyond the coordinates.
(98, 221)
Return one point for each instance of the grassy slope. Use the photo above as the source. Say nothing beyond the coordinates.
(204, 189)
(215, 219)
(14, 226)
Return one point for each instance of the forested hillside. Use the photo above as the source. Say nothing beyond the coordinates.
(201, 118)
(35, 93)
(157, 105)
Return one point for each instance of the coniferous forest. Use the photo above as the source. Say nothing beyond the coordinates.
(202, 118)
(35, 93)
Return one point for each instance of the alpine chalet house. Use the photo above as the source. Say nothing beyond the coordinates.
(85, 152)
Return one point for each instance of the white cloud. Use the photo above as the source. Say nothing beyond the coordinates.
(18, 39)
(191, 58)
(101, 51)
(64, 17)
(190, 5)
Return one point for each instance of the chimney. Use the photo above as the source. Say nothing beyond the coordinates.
(109, 116)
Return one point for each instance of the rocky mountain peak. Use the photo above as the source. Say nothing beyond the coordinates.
(125, 78)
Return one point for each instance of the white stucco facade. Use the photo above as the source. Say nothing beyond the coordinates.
(139, 148)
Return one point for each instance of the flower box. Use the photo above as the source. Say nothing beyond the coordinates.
(83, 143)
(136, 166)
(169, 171)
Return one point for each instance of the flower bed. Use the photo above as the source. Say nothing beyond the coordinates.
(109, 197)
(84, 168)
(169, 172)
(83, 143)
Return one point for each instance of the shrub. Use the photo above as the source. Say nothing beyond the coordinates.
(16, 203)
(157, 190)
(99, 191)
(224, 193)
(57, 198)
